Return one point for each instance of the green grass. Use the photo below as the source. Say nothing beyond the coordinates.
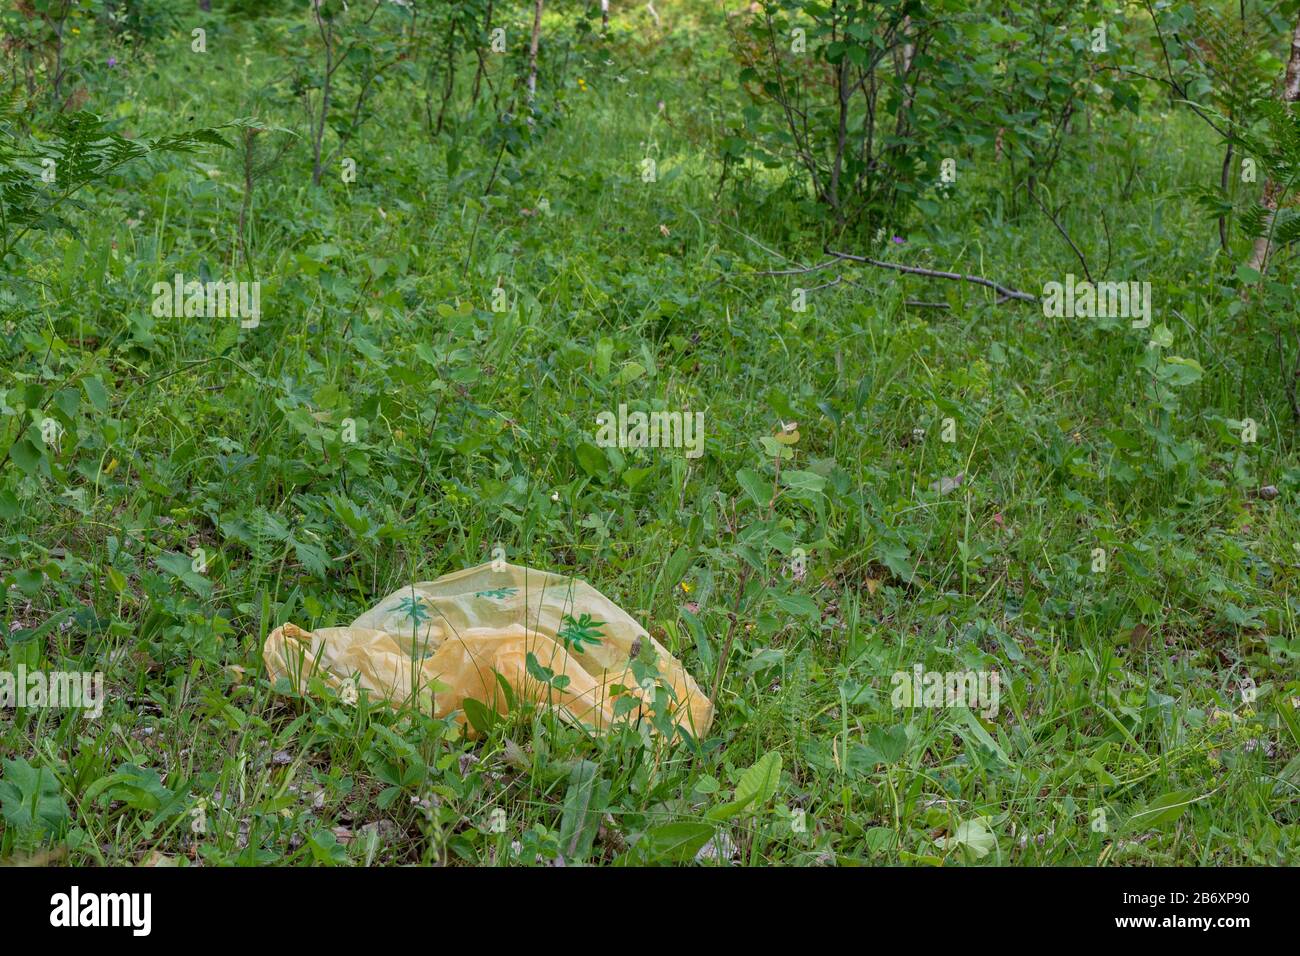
(1122, 737)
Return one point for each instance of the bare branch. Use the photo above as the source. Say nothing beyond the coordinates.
(1061, 229)
(1005, 292)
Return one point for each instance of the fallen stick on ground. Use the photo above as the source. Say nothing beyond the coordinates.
(1004, 292)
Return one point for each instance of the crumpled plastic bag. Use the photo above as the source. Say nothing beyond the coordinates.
(440, 643)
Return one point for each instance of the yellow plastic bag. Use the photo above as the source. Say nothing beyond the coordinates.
(439, 643)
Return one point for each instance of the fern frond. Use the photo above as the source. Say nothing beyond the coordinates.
(84, 152)
(1254, 220)
(1286, 227)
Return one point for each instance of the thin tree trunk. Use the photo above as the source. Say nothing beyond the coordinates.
(318, 131)
(532, 53)
(316, 169)
(451, 76)
(1225, 175)
(248, 137)
(1273, 189)
(482, 64)
(58, 50)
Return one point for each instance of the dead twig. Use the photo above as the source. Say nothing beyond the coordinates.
(1004, 292)
(826, 285)
(1065, 235)
(794, 272)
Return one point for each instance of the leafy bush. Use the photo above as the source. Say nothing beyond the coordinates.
(867, 98)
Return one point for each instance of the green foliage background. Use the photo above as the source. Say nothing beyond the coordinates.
(1150, 712)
